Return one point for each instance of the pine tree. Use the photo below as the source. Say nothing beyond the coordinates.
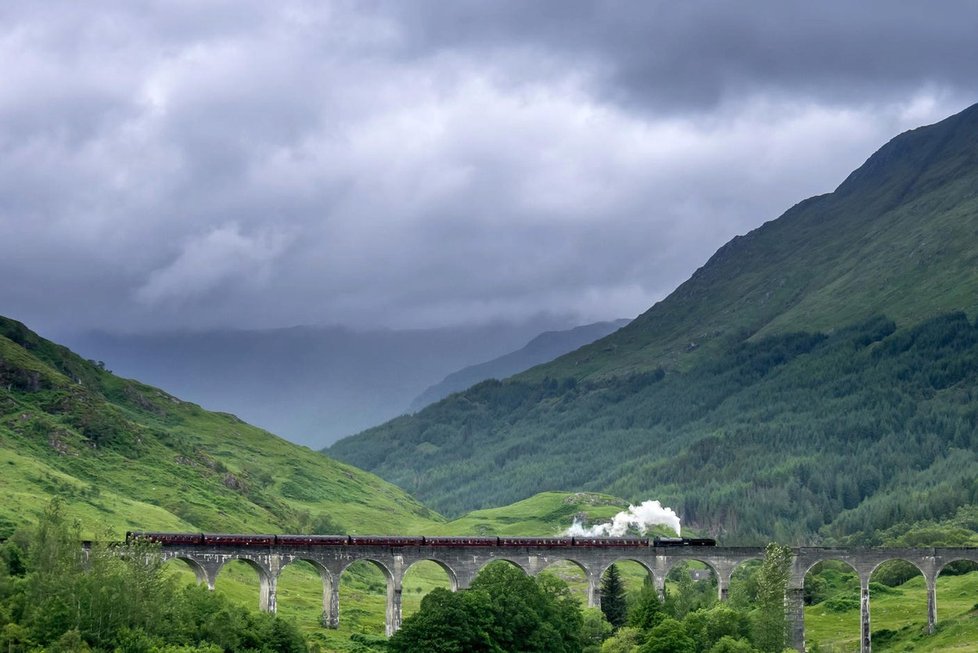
(648, 612)
(613, 602)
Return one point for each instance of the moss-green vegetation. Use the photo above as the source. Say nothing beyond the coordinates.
(503, 610)
(129, 456)
(899, 616)
(55, 597)
(544, 513)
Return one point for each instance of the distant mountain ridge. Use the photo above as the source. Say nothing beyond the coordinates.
(542, 349)
(811, 376)
(309, 384)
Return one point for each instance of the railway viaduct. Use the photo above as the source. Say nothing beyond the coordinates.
(462, 563)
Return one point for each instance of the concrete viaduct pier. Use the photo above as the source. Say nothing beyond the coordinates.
(463, 562)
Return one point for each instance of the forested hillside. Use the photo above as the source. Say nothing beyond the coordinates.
(818, 375)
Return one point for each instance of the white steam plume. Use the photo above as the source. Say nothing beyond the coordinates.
(641, 517)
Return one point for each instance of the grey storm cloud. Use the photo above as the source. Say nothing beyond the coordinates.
(428, 163)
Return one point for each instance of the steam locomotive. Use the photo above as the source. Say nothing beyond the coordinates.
(227, 539)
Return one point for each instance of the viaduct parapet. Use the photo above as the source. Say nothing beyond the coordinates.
(462, 563)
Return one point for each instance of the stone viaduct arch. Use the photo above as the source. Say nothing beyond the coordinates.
(463, 562)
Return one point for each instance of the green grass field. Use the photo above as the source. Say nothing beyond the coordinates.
(899, 619)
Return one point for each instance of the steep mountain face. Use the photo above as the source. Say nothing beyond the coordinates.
(816, 375)
(131, 456)
(311, 385)
(544, 348)
(899, 237)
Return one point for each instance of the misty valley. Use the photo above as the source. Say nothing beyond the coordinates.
(460, 327)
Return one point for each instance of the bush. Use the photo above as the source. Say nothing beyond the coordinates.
(503, 610)
(728, 644)
(670, 636)
(626, 640)
(842, 602)
(878, 589)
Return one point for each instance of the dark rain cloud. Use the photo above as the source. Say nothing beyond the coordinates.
(427, 163)
(681, 56)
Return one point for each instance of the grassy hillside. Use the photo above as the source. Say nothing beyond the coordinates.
(899, 618)
(815, 378)
(129, 456)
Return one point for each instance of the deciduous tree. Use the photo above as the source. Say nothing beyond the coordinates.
(770, 625)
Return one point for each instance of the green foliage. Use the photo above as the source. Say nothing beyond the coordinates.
(503, 610)
(782, 438)
(647, 612)
(770, 625)
(118, 599)
(728, 644)
(687, 595)
(670, 636)
(893, 573)
(626, 640)
(842, 603)
(613, 601)
(448, 622)
(708, 627)
(743, 586)
(595, 629)
(899, 617)
(551, 620)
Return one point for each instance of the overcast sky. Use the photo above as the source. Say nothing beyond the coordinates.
(194, 164)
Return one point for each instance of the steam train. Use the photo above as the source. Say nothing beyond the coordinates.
(226, 539)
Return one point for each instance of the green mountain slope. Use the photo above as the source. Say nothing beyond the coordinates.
(818, 374)
(131, 456)
(898, 237)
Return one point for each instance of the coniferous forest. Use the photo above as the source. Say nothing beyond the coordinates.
(795, 437)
